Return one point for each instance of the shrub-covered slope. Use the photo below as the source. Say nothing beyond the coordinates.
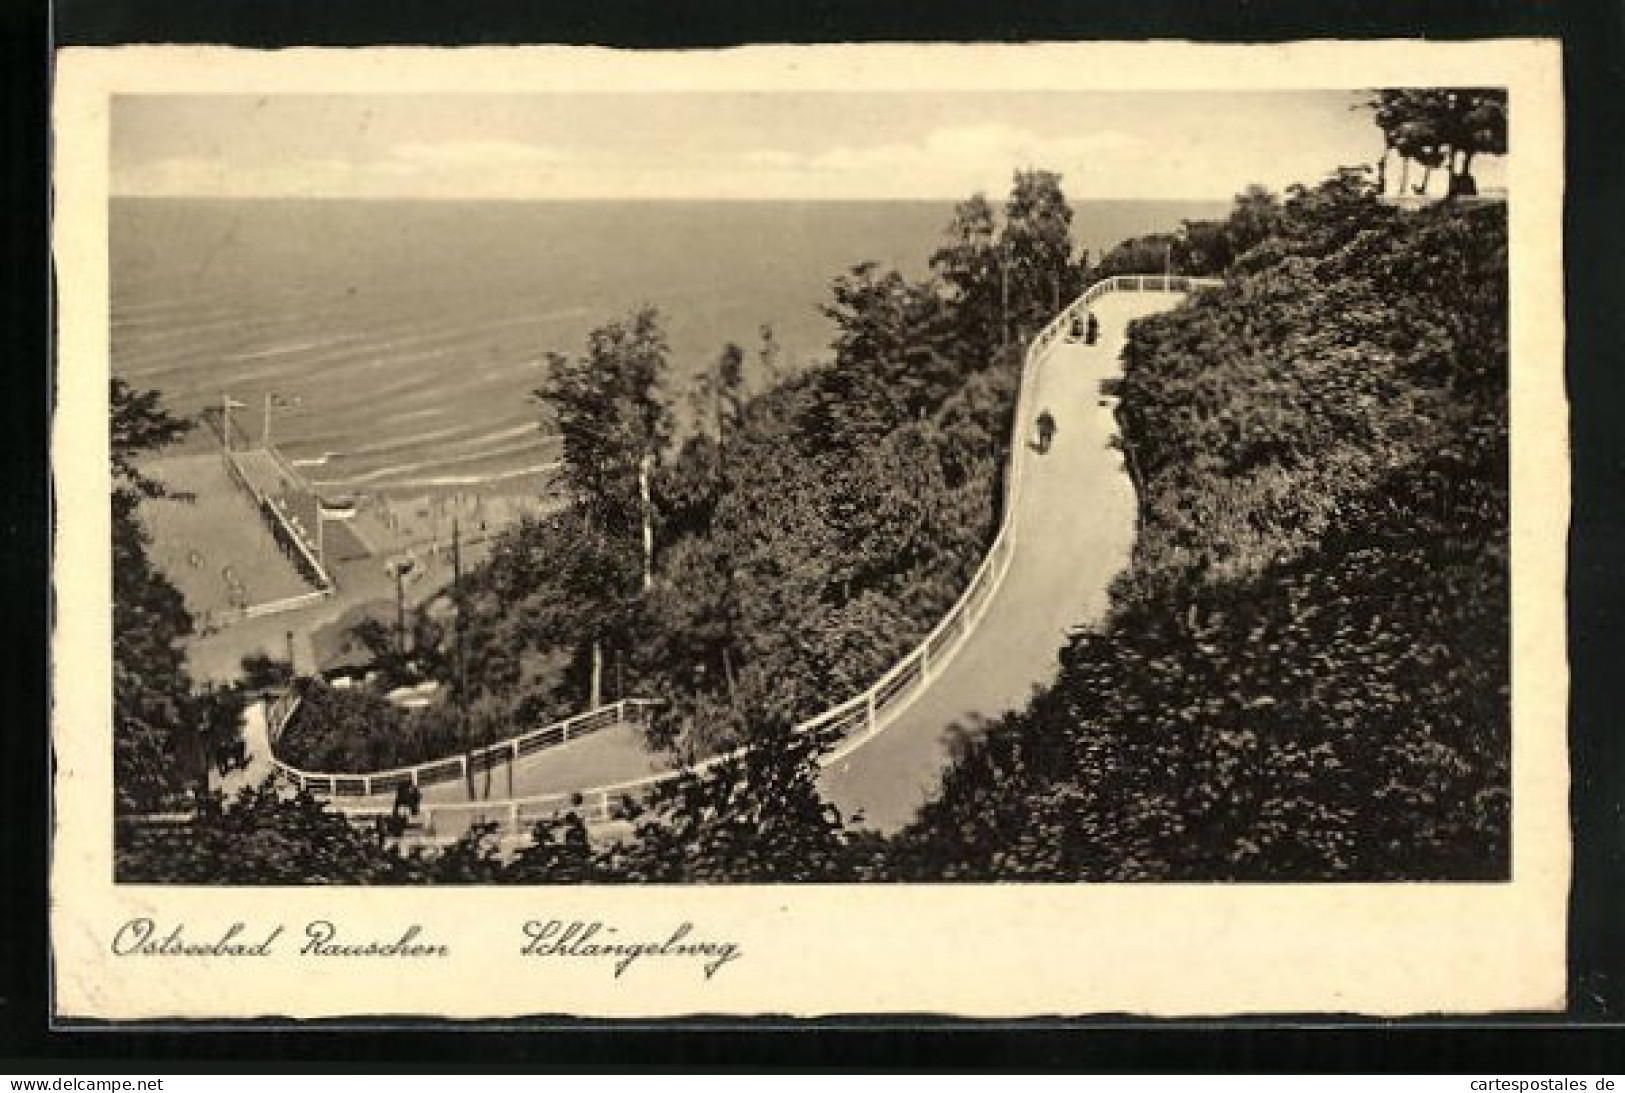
(1306, 671)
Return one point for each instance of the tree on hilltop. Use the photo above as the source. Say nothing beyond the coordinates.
(1038, 244)
(896, 354)
(971, 264)
(1441, 127)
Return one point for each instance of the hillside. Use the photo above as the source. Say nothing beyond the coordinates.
(1305, 673)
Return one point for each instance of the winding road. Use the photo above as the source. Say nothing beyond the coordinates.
(1074, 530)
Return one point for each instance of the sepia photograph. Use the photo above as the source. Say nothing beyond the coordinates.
(997, 487)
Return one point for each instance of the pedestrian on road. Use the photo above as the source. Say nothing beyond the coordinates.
(1046, 430)
(1092, 334)
(408, 798)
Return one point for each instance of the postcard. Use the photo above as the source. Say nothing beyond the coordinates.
(991, 531)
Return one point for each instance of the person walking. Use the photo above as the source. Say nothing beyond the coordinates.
(1092, 331)
(1046, 430)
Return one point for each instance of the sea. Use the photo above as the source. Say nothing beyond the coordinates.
(398, 343)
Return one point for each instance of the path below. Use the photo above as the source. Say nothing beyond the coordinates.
(1074, 533)
(615, 754)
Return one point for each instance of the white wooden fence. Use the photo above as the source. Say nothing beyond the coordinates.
(451, 768)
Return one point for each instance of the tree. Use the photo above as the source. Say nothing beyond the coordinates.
(1147, 254)
(718, 396)
(971, 264)
(713, 590)
(1441, 127)
(157, 730)
(1037, 244)
(610, 409)
(1254, 217)
(770, 367)
(896, 355)
(263, 672)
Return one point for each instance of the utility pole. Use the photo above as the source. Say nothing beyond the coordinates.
(1004, 294)
(462, 665)
(399, 567)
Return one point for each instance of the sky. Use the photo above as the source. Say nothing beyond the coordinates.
(732, 145)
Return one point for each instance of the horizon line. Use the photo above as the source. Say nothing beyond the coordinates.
(497, 200)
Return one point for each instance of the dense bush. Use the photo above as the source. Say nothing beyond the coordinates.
(262, 837)
(357, 730)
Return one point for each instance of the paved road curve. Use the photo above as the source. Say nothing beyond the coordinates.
(1074, 531)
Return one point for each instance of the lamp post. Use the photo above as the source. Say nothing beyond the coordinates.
(462, 661)
(1004, 293)
(399, 568)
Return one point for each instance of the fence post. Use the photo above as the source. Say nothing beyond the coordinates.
(925, 660)
(366, 785)
(513, 814)
(871, 704)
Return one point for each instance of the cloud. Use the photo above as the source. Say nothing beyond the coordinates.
(774, 158)
(183, 176)
(172, 174)
(1098, 157)
(974, 145)
(477, 154)
(949, 160)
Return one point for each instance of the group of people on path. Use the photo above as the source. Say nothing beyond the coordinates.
(408, 800)
(1087, 330)
(230, 755)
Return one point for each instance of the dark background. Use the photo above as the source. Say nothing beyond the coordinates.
(1593, 33)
